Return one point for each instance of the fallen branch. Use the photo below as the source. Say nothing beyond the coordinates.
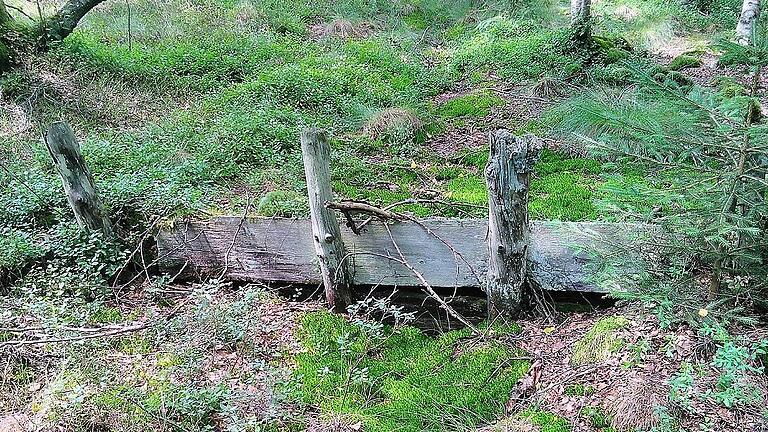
(428, 288)
(89, 332)
(234, 237)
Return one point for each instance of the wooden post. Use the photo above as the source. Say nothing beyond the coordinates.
(78, 183)
(326, 233)
(509, 165)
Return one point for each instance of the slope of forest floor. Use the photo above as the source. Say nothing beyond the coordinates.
(196, 112)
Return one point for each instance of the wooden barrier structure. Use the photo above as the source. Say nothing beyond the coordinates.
(499, 255)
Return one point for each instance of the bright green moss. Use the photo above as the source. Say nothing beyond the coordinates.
(469, 189)
(684, 61)
(470, 105)
(411, 382)
(562, 196)
(546, 421)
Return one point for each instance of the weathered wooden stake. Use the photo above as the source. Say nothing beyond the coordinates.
(325, 228)
(78, 183)
(509, 165)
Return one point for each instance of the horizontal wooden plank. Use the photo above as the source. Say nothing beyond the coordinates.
(272, 249)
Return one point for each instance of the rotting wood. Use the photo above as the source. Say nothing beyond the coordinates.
(282, 250)
(509, 234)
(77, 180)
(326, 234)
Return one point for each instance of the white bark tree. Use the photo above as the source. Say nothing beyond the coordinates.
(750, 11)
(580, 18)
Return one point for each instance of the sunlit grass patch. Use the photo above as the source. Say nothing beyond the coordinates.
(405, 380)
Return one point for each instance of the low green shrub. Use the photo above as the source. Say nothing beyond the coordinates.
(516, 52)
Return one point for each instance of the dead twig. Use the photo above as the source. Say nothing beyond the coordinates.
(89, 332)
(234, 237)
(385, 214)
(428, 288)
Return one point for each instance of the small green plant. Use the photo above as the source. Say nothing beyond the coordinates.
(546, 421)
(579, 390)
(681, 387)
(597, 417)
(637, 351)
(283, 204)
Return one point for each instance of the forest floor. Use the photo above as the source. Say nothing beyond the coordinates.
(201, 114)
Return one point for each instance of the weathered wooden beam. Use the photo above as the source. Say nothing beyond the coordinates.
(77, 180)
(282, 250)
(326, 234)
(509, 234)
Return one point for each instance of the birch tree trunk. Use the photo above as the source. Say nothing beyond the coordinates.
(509, 233)
(580, 18)
(750, 11)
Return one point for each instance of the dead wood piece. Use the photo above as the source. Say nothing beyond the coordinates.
(507, 174)
(326, 233)
(77, 180)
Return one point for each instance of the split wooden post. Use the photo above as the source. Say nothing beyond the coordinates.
(509, 234)
(77, 180)
(326, 233)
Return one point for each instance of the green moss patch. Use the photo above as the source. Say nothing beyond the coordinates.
(600, 341)
(684, 61)
(470, 105)
(546, 421)
(404, 380)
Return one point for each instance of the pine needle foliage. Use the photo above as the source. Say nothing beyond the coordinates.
(706, 158)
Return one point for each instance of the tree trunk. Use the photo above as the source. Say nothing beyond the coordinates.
(750, 11)
(507, 175)
(326, 233)
(5, 18)
(78, 183)
(580, 19)
(63, 23)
